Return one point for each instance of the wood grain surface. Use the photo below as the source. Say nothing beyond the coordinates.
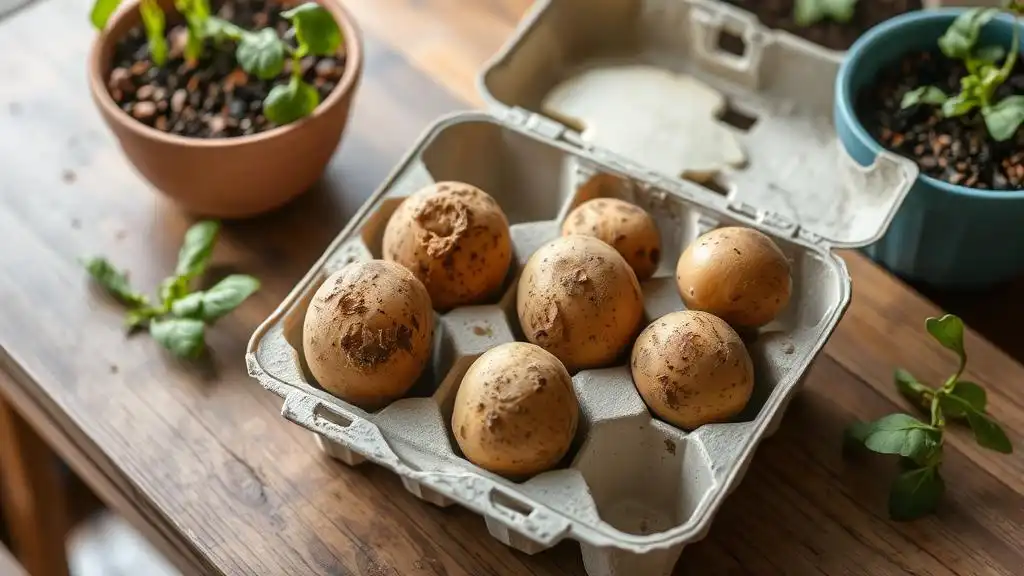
(199, 458)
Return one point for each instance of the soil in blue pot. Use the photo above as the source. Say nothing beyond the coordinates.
(827, 32)
(957, 150)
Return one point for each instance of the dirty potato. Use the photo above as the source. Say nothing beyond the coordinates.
(626, 227)
(454, 237)
(579, 299)
(737, 274)
(515, 412)
(691, 368)
(367, 333)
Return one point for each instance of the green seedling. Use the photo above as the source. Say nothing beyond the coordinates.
(808, 12)
(178, 318)
(261, 53)
(984, 75)
(918, 489)
(316, 34)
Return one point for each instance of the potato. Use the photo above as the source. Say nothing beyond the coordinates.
(737, 274)
(579, 300)
(626, 227)
(367, 333)
(515, 412)
(691, 369)
(455, 239)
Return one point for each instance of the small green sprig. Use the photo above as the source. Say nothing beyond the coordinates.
(918, 489)
(808, 12)
(984, 75)
(261, 53)
(178, 320)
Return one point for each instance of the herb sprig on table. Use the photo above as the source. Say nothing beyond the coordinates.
(178, 318)
(984, 75)
(918, 489)
(808, 12)
(261, 53)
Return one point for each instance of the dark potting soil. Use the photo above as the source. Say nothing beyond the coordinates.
(214, 98)
(957, 150)
(778, 14)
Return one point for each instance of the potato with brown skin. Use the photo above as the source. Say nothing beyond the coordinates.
(737, 274)
(515, 412)
(454, 237)
(691, 368)
(367, 333)
(626, 227)
(579, 299)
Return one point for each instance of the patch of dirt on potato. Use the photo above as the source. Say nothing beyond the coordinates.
(445, 218)
(369, 348)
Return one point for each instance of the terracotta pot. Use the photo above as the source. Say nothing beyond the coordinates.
(229, 177)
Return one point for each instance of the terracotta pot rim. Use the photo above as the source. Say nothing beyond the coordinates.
(351, 39)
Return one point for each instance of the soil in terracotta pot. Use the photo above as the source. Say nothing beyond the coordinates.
(957, 150)
(778, 14)
(214, 98)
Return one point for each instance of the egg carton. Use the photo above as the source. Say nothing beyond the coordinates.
(633, 490)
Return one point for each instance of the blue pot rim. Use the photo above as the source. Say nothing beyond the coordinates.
(844, 95)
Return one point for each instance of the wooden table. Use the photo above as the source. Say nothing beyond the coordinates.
(198, 457)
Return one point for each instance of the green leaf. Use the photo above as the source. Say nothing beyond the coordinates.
(911, 388)
(969, 393)
(219, 300)
(289, 102)
(184, 337)
(924, 95)
(948, 331)
(904, 435)
(261, 53)
(114, 282)
(959, 105)
(915, 493)
(227, 295)
(962, 34)
(102, 10)
(315, 29)
(220, 29)
(990, 54)
(987, 432)
(1004, 117)
(808, 12)
(197, 249)
(153, 22)
(190, 306)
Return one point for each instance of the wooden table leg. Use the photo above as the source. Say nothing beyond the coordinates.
(33, 497)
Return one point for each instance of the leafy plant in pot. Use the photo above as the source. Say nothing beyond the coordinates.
(230, 110)
(940, 88)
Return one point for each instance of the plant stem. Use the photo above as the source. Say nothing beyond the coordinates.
(1011, 58)
(937, 420)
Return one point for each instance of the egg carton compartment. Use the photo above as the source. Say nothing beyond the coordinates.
(647, 84)
(633, 490)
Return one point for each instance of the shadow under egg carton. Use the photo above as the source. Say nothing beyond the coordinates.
(633, 490)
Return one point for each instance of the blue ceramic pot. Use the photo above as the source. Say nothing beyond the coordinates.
(944, 235)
